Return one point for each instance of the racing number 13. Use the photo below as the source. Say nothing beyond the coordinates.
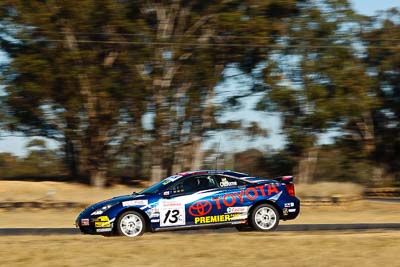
(172, 215)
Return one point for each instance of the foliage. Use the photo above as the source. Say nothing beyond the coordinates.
(128, 87)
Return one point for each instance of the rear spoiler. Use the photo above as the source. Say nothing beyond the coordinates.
(284, 179)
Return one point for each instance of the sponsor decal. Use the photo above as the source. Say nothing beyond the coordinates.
(166, 182)
(102, 222)
(239, 222)
(153, 213)
(204, 207)
(155, 210)
(200, 208)
(250, 193)
(238, 216)
(155, 220)
(292, 210)
(170, 204)
(285, 211)
(237, 209)
(217, 218)
(173, 178)
(288, 205)
(213, 219)
(102, 230)
(172, 213)
(136, 202)
(84, 222)
(225, 183)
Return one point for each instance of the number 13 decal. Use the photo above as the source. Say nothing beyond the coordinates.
(172, 214)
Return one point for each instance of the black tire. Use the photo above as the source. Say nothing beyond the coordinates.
(131, 224)
(267, 222)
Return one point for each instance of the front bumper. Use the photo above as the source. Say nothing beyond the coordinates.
(99, 225)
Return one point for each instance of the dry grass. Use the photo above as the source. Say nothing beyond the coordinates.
(58, 191)
(173, 249)
(329, 189)
(227, 249)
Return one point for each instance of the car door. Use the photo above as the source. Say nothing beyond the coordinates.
(187, 199)
(231, 199)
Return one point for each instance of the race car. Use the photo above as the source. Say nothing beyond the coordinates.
(189, 200)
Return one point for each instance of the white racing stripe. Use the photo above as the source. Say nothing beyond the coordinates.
(185, 199)
(276, 197)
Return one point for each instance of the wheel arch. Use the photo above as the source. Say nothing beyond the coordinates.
(265, 201)
(141, 212)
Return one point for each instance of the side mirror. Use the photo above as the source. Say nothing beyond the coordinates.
(166, 194)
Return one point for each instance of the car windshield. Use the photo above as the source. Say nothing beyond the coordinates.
(155, 188)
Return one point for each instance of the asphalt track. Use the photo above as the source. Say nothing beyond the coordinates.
(283, 228)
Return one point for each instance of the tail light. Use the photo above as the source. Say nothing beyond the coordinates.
(290, 190)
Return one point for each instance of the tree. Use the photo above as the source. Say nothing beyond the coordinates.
(87, 74)
(201, 39)
(381, 36)
(318, 82)
(70, 86)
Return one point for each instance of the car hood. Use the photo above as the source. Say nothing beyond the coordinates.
(116, 200)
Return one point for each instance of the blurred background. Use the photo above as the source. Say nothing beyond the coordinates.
(106, 92)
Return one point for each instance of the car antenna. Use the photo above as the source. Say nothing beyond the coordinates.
(218, 152)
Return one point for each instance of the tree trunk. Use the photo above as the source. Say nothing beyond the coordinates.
(197, 154)
(307, 166)
(98, 177)
(156, 173)
(96, 141)
(71, 158)
(366, 130)
(367, 133)
(138, 160)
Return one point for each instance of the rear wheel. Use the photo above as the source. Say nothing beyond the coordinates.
(131, 224)
(264, 218)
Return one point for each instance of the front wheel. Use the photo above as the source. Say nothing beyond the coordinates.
(264, 218)
(131, 224)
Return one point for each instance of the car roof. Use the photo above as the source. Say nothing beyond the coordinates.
(224, 172)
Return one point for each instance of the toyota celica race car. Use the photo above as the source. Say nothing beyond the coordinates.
(193, 200)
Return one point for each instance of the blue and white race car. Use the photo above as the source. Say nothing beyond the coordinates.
(195, 199)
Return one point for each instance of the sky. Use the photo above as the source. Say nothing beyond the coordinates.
(228, 142)
(369, 7)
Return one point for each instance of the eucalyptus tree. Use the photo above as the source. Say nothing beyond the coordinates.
(193, 44)
(72, 76)
(381, 38)
(88, 74)
(319, 81)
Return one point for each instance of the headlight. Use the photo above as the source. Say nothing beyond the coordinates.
(102, 209)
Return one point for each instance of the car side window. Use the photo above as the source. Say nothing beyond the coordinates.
(224, 181)
(193, 184)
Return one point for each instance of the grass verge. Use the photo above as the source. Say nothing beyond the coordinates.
(229, 249)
